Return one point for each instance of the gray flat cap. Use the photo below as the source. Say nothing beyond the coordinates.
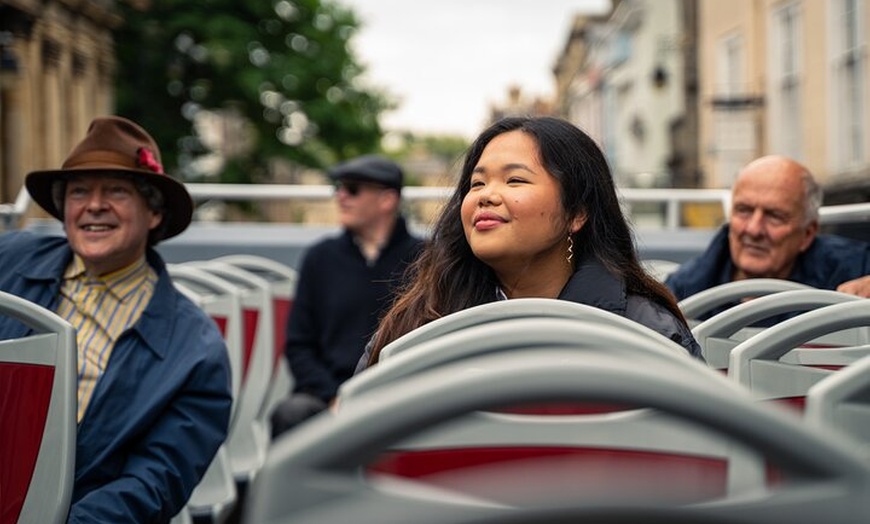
(372, 168)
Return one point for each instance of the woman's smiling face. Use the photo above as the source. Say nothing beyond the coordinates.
(512, 214)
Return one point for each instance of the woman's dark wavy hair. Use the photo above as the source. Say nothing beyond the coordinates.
(447, 277)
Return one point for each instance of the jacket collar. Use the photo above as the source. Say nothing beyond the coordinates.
(157, 322)
(397, 235)
(50, 267)
(721, 251)
(593, 285)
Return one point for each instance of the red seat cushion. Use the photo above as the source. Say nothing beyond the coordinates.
(25, 394)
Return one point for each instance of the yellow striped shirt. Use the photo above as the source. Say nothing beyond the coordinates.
(101, 309)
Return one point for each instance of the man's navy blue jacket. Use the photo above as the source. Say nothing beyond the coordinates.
(160, 411)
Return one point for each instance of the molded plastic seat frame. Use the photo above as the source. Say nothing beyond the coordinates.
(498, 332)
(247, 449)
(257, 297)
(312, 474)
(283, 281)
(717, 296)
(842, 402)
(756, 363)
(719, 334)
(504, 310)
(221, 300)
(636, 344)
(51, 344)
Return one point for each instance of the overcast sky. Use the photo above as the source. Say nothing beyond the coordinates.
(447, 61)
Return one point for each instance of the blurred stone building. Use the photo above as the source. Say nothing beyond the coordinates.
(788, 77)
(628, 78)
(520, 104)
(683, 93)
(57, 74)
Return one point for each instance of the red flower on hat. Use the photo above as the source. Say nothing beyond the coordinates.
(145, 158)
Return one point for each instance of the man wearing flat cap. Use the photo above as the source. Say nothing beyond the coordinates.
(154, 391)
(345, 284)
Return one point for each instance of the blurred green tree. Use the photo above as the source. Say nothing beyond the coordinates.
(449, 148)
(246, 83)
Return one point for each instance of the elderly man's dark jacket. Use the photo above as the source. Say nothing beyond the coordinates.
(828, 262)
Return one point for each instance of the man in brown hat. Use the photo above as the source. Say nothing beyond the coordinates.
(153, 374)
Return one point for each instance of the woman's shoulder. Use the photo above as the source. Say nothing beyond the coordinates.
(649, 313)
(658, 318)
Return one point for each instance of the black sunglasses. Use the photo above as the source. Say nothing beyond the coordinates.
(353, 187)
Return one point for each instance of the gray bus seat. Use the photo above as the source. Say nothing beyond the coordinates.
(38, 381)
(719, 334)
(316, 473)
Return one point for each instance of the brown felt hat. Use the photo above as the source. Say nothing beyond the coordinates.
(115, 145)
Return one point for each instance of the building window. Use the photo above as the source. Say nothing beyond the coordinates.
(734, 111)
(786, 80)
(848, 86)
(729, 73)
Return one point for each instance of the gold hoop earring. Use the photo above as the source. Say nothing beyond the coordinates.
(570, 248)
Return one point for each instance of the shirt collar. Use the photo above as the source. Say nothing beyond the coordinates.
(75, 269)
(120, 283)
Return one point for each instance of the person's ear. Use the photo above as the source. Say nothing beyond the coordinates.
(390, 199)
(577, 223)
(809, 235)
(156, 219)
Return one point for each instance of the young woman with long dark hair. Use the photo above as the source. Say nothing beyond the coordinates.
(535, 214)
